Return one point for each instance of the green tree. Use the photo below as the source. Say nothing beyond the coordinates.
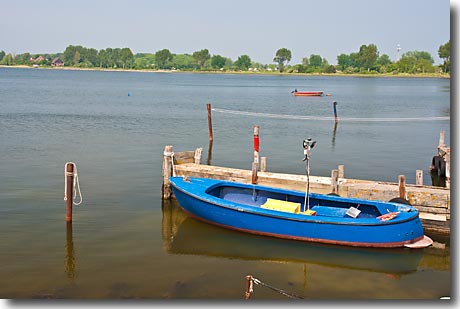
(343, 61)
(243, 62)
(444, 53)
(383, 63)
(218, 61)
(2, 54)
(183, 62)
(368, 56)
(201, 57)
(126, 57)
(316, 61)
(162, 57)
(282, 57)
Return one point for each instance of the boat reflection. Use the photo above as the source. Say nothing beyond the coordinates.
(185, 235)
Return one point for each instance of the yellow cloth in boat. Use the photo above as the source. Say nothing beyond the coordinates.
(281, 206)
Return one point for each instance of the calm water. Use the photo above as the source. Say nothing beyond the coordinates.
(125, 243)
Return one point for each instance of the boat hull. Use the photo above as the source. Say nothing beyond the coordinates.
(193, 196)
(308, 93)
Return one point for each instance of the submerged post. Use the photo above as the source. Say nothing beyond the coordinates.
(167, 170)
(209, 122)
(69, 191)
(335, 111)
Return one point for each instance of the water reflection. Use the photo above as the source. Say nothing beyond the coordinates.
(185, 235)
(333, 133)
(69, 253)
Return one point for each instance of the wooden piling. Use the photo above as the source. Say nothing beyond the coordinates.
(69, 191)
(167, 170)
(197, 156)
(335, 111)
(402, 186)
(255, 167)
(209, 122)
(263, 164)
(335, 181)
(341, 169)
(419, 178)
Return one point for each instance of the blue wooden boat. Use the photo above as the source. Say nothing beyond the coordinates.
(282, 213)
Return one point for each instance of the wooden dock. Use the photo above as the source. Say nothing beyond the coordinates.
(432, 202)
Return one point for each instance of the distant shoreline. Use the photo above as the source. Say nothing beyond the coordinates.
(422, 75)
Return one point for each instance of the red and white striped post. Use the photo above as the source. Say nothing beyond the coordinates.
(255, 163)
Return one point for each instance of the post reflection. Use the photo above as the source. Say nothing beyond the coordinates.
(333, 133)
(69, 253)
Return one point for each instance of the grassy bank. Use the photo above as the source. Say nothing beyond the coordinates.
(419, 75)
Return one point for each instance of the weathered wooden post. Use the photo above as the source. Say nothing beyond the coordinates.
(402, 186)
(419, 178)
(69, 191)
(335, 181)
(167, 170)
(335, 111)
(341, 169)
(197, 156)
(441, 139)
(209, 121)
(263, 164)
(255, 167)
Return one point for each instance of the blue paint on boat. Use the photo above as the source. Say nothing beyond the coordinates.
(238, 206)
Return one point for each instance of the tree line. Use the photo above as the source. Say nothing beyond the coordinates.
(366, 60)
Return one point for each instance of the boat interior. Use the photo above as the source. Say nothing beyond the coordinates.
(319, 205)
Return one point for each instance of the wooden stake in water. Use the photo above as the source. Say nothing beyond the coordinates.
(69, 191)
(208, 106)
(335, 111)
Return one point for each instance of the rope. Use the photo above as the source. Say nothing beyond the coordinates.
(171, 154)
(75, 185)
(258, 282)
(297, 117)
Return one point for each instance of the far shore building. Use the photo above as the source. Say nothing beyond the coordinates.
(57, 62)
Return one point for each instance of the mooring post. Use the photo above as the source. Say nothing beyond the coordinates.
(209, 121)
(341, 169)
(167, 170)
(402, 186)
(419, 178)
(69, 191)
(255, 167)
(335, 111)
(263, 164)
(441, 139)
(197, 156)
(248, 291)
(256, 144)
(335, 181)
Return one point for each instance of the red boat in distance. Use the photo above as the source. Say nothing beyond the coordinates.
(307, 93)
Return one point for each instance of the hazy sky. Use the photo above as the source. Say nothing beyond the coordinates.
(257, 28)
